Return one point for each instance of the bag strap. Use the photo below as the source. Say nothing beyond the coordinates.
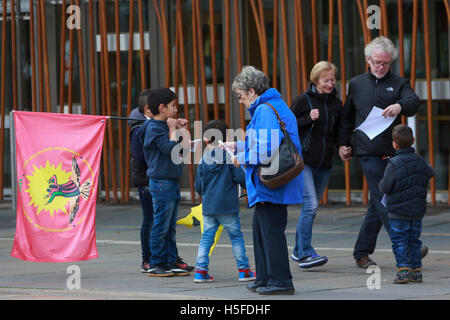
(282, 124)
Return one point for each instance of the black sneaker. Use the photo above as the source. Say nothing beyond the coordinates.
(183, 265)
(145, 266)
(177, 271)
(312, 261)
(160, 271)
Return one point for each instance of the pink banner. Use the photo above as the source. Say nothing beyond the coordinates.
(58, 158)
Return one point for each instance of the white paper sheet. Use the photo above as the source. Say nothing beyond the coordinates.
(375, 123)
(194, 144)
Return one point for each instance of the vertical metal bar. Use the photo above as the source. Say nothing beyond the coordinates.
(62, 57)
(401, 47)
(108, 95)
(447, 9)
(302, 47)
(92, 53)
(45, 56)
(213, 57)
(40, 64)
(70, 82)
(237, 25)
(314, 30)
(32, 58)
(13, 54)
(166, 40)
(141, 40)
(384, 23)
(227, 61)
(259, 31)
(287, 67)
(195, 62)
(275, 45)
(414, 42)
(81, 68)
(129, 91)
(297, 48)
(330, 29)
(2, 97)
(179, 26)
(343, 90)
(119, 98)
(202, 61)
(264, 37)
(426, 37)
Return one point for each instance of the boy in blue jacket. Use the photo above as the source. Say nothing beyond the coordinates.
(405, 186)
(160, 139)
(216, 182)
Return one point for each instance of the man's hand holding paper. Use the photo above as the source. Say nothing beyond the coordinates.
(379, 120)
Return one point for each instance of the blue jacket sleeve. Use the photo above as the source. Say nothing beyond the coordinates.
(198, 180)
(262, 139)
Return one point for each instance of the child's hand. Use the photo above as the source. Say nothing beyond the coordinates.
(235, 161)
(172, 124)
(182, 123)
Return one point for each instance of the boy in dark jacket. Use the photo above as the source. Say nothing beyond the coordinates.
(405, 186)
(216, 182)
(160, 138)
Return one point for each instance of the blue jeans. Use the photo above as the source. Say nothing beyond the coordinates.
(406, 244)
(232, 224)
(376, 216)
(314, 183)
(166, 196)
(147, 221)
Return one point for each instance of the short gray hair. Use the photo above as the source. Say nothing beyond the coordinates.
(382, 43)
(251, 78)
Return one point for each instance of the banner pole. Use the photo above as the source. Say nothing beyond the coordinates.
(12, 140)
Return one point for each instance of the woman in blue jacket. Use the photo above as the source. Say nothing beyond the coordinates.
(263, 136)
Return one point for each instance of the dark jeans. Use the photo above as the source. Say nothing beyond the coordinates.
(147, 221)
(373, 168)
(270, 247)
(165, 196)
(406, 244)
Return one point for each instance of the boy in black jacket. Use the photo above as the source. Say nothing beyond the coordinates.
(405, 186)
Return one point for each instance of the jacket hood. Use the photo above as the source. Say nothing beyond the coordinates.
(267, 95)
(136, 114)
(215, 158)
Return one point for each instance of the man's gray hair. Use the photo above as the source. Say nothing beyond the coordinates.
(382, 43)
(251, 78)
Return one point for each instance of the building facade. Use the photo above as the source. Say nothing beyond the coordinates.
(94, 57)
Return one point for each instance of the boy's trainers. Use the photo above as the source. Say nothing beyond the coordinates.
(177, 271)
(246, 275)
(145, 266)
(402, 276)
(415, 276)
(183, 265)
(312, 261)
(202, 276)
(159, 271)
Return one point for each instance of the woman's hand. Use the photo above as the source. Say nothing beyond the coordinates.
(314, 114)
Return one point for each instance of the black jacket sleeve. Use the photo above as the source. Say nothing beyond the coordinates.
(387, 183)
(347, 120)
(408, 100)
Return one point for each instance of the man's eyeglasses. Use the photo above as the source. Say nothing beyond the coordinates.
(379, 63)
(238, 96)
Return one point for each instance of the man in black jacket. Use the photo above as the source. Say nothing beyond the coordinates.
(378, 87)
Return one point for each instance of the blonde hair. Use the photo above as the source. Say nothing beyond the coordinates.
(320, 67)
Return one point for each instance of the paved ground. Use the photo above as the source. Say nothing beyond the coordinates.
(115, 274)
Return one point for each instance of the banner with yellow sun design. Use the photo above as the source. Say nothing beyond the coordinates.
(58, 158)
